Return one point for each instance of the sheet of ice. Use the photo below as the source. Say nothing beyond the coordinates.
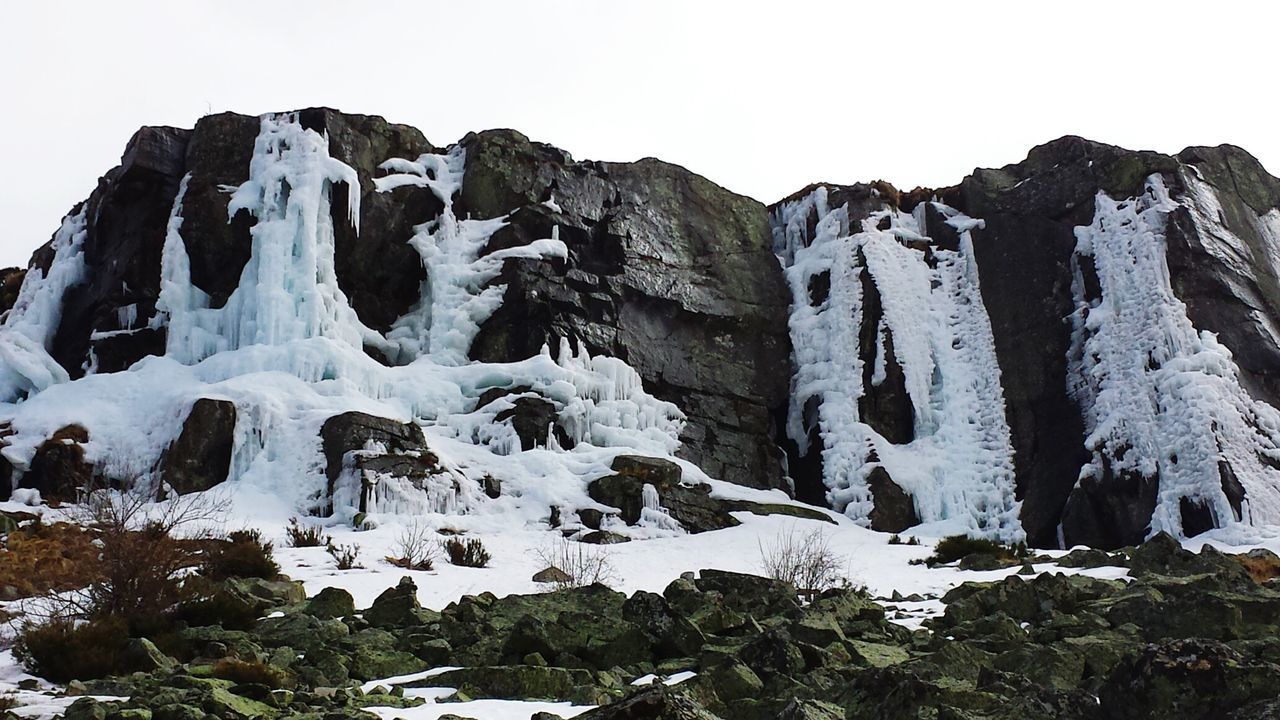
(959, 467)
(1161, 399)
(29, 326)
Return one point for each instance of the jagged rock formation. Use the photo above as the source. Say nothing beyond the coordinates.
(1022, 355)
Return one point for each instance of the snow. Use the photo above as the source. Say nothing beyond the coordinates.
(959, 467)
(1160, 398)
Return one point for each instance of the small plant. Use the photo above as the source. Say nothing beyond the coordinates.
(955, 547)
(63, 650)
(581, 564)
(242, 554)
(299, 535)
(345, 556)
(897, 540)
(804, 560)
(250, 671)
(469, 553)
(8, 701)
(416, 548)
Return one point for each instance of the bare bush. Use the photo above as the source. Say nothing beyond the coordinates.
(345, 557)
(299, 535)
(582, 564)
(805, 560)
(144, 546)
(416, 548)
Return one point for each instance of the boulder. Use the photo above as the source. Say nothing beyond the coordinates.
(398, 607)
(331, 602)
(59, 469)
(200, 456)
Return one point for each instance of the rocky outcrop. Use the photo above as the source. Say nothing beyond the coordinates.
(665, 270)
(1024, 251)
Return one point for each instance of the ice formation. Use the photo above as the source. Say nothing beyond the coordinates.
(457, 297)
(1161, 399)
(958, 469)
(288, 349)
(27, 333)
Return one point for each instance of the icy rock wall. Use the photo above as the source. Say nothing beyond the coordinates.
(289, 350)
(1162, 401)
(956, 465)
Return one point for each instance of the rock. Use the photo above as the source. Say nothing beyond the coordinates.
(1164, 555)
(811, 710)
(331, 602)
(59, 469)
(1186, 678)
(141, 654)
(656, 702)
(86, 708)
(552, 575)
(522, 682)
(201, 455)
(734, 681)
(894, 510)
(398, 607)
(406, 453)
(604, 537)
(533, 419)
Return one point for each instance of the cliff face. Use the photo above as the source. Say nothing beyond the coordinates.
(1081, 347)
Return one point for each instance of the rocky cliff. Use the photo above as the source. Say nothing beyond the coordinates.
(1079, 348)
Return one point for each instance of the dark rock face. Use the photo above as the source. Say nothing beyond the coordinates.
(129, 214)
(666, 271)
(201, 456)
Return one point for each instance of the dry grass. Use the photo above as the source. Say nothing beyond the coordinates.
(41, 558)
(1261, 566)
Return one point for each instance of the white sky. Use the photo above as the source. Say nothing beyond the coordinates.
(761, 98)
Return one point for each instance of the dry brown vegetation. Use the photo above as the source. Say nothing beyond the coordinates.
(42, 558)
(1261, 566)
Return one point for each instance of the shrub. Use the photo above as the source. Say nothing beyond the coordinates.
(141, 560)
(416, 548)
(470, 553)
(250, 671)
(300, 535)
(804, 560)
(954, 547)
(242, 554)
(344, 556)
(583, 564)
(63, 650)
(897, 540)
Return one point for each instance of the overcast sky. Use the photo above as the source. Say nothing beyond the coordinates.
(762, 98)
